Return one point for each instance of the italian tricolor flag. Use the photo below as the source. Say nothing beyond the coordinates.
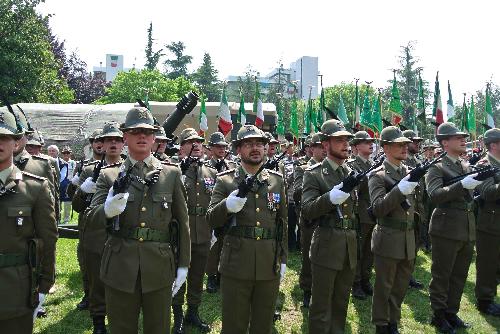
(437, 110)
(203, 117)
(257, 107)
(114, 61)
(225, 122)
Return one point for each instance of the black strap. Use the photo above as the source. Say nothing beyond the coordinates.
(252, 232)
(142, 234)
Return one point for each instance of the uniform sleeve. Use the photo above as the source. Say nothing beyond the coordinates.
(298, 177)
(439, 194)
(46, 230)
(488, 190)
(79, 201)
(314, 203)
(217, 214)
(283, 215)
(180, 212)
(382, 201)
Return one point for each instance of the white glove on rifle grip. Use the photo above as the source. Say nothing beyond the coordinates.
(116, 204)
(406, 187)
(75, 180)
(41, 299)
(282, 271)
(234, 203)
(469, 182)
(88, 186)
(180, 278)
(337, 196)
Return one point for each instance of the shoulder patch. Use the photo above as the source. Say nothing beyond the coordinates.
(226, 172)
(41, 178)
(275, 172)
(314, 166)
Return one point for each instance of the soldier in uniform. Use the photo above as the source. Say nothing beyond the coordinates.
(94, 235)
(306, 226)
(271, 146)
(333, 250)
(488, 229)
(199, 180)
(27, 270)
(362, 162)
(34, 143)
(138, 262)
(218, 146)
(161, 141)
(393, 238)
(452, 229)
(254, 254)
(420, 219)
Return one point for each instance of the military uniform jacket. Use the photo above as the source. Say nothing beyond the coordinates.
(488, 219)
(245, 258)
(329, 246)
(363, 194)
(412, 162)
(386, 204)
(199, 181)
(26, 214)
(81, 200)
(152, 207)
(453, 217)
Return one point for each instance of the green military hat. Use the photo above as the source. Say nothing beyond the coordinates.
(23, 121)
(35, 139)
(334, 128)
(160, 134)
(248, 131)
(491, 136)
(429, 144)
(449, 129)
(217, 138)
(189, 134)
(66, 149)
(308, 140)
(95, 135)
(315, 139)
(393, 134)
(9, 125)
(410, 134)
(361, 136)
(139, 118)
(271, 138)
(111, 129)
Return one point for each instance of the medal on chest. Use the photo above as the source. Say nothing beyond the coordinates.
(273, 201)
(209, 184)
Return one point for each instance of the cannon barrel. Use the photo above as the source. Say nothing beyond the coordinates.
(184, 107)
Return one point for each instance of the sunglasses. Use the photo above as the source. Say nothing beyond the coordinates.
(140, 131)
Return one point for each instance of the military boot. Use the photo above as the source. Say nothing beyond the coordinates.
(455, 321)
(367, 287)
(382, 329)
(392, 328)
(99, 325)
(193, 318)
(84, 303)
(488, 307)
(415, 284)
(357, 291)
(307, 299)
(442, 325)
(178, 319)
(212, 284)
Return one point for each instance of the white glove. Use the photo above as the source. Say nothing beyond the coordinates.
(234, 203)
(182, 273)
(282, 271)
(41, 299)
(75, 180)
(337, 196)
(213, 240)
(88, 186)
(406, 187)
(116, 204)
(469, 182)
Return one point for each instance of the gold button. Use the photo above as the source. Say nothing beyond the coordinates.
(258, 210)
(141, 239)
(143, 224)
(197, 183)
(145, 195)
(258, 238)
(345, 204)
(197, 194)
(20, 212)
(345, 216)
(256, 195)
(143, 209)
(407, 213)
(258, 223)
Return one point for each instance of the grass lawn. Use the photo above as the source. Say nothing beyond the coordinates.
(63, 317)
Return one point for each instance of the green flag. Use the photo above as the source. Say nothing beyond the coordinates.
(421, 100)
(294, 123)
(242, 116)
(308, 119)
(377, 115)
(471, 118)
(321, 111)
(465, 113)
(202, 118)
(342, 115)
(489, 116)
(395, 105)
(280, 126)
(366, 114)
(357, 112)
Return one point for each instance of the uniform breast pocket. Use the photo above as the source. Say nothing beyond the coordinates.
(20, 216)
(162, 205)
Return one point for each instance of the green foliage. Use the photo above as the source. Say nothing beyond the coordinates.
(206, 79)
(28, 69)
(152, 57)
(480, 103)
(177, 66)
(129, 86)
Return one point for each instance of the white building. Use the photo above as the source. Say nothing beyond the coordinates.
(114, 64)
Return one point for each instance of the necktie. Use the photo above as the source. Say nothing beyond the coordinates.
(139, 167)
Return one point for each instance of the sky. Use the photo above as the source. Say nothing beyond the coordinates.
(359, 39)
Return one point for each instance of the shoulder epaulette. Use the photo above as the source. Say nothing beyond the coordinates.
(207, 163)
(169, 163)
(37, 157)
(275, 172)
(226, 172)
(41, 178)
(118, 164)
(90, 163)
(314, 166)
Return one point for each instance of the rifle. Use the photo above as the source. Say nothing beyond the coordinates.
(273, 163)
(476, 157)
(187, 161)
(482, 174)
(95, 176)
(220, 162)
(245, 186)
(121, 185)
(172, 147)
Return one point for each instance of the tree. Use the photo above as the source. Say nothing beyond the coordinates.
(28, 68)
(129, 86)
(87, 87)
(247, 85)
(480, 103)
(177, 66)
(206, 80)
(152, 57)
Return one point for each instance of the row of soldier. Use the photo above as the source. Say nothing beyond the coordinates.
(151, 225)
